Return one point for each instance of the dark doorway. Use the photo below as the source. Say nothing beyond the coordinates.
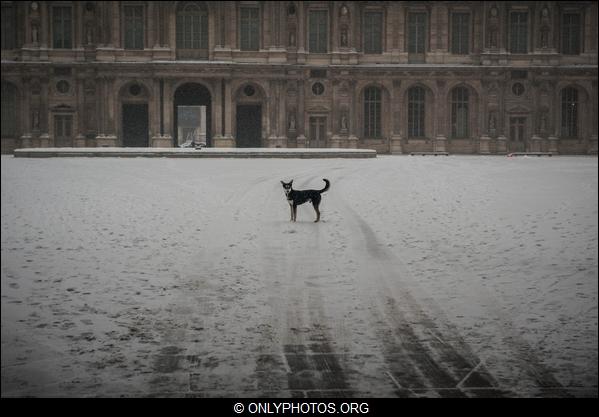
(249, 126)
(317, 137)
(192, 94)
(135, 125)
(63, 132)
(518, 142)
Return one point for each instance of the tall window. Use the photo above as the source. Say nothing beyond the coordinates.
(460, 33)
(571, 34)
(373, 32)
(416, 112)
(134, 27)
(62, 27)
(519, 32)
(9, 110)
(570, 112)
(372, 112)
(192, 30)
(459, 112)
(416, 33)
(8, 27)
(249, 29)
(318, 34)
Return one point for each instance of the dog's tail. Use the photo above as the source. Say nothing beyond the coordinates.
(326, 187)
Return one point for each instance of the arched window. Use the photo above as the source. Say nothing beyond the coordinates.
(459, 112)
(416, 109)
(570, 112)
(192, 30)
(9, 110)
(372, 112)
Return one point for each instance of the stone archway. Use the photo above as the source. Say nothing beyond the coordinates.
(192, 114)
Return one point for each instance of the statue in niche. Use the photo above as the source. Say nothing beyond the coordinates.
(35, 119)
(492, 122)
(291, 121)
(344, 37)
(344, 10)
(292, 38)
(34, 34)
(543, 121)
(343, 122)
(545, 37)
(89, 34)
(493, 31)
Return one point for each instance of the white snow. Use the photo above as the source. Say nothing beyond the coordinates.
(427, 276)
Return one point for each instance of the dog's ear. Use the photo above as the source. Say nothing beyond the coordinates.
(291, 182)
(282, 183)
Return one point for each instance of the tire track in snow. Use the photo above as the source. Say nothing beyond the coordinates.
(441, 359)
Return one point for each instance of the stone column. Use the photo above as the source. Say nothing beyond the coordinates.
(440, 123)
(353, 109)
(396, 138)
(301, 110)
(229, 138)
(80, 91)
(26, 112)
(46, 136)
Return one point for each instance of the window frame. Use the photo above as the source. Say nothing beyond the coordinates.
(425, 42)
(141, 19)
(62, 42)
(416, 107)
(515, 40)
(318, 40)
(368, 43)
(9, 110)
(460, 101)
(452, 32)
(569, 128)
(579, 34)
(9, 28)
(181, 27)
(258, 29)
(372, 112)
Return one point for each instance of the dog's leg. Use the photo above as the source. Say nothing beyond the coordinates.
(294, 212)
(291, 212)
(315, 205)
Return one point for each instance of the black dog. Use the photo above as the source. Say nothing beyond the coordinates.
(298, 197)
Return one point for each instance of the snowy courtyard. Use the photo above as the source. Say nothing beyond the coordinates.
(427, 276)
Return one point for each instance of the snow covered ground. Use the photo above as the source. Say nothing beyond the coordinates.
(427, 276)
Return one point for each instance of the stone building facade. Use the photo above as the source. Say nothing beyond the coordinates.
(463, 76)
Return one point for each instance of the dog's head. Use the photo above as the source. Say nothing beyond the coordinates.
(287, 186)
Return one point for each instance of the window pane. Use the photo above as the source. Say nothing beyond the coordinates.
(9, 110)
(570, 112)
(61, 27)
(318, 31)
(519, 32)
(460, 33)
(8, 28)
(416, 112)
(416, 33)
(249, 29)
(571, 34)
(372, 112)
(373, 27)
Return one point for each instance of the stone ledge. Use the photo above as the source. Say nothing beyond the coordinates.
(195, 153)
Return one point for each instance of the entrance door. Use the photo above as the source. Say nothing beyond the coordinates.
(249, 126)
(318, 132)
(517, 134)
(135, 125)
(63, 131)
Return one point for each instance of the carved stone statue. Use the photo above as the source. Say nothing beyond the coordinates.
(344, 36)
(35, 119)
(343, 122)
(34, 34)
(493, 28)
(292, 38)
(292, 122)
